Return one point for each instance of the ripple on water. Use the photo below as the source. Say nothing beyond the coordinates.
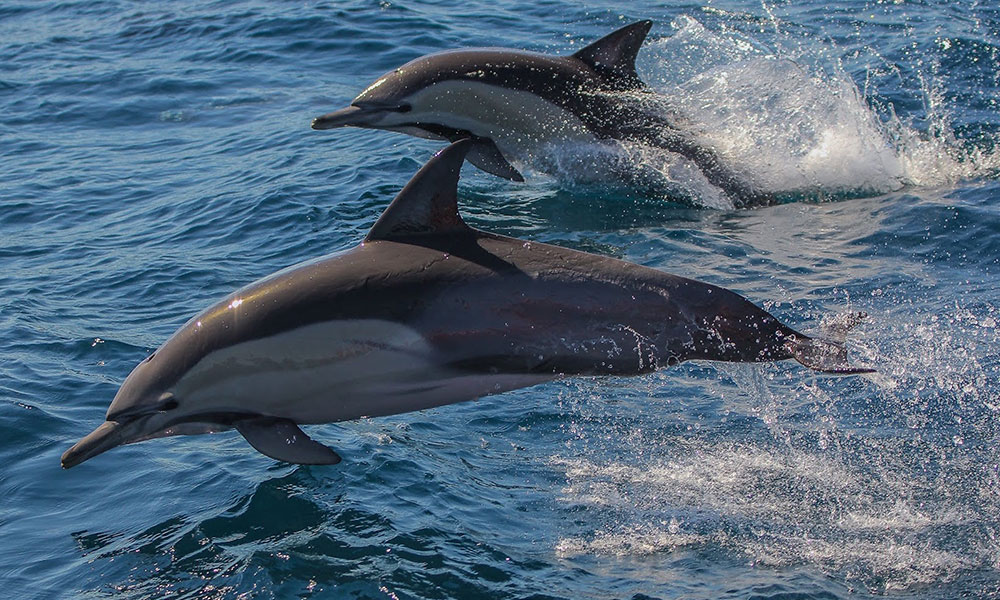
(157, 157)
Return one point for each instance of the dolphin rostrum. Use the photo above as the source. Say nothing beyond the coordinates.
(427, 311)
(509, 101)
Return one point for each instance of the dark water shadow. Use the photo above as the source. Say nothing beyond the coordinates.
(301, 533)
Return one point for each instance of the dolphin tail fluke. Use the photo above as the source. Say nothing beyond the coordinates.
(282, 440)
(828, 354)
(613, 56)
(485, 155)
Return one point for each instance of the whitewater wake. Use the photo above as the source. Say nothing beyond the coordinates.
(780, 126)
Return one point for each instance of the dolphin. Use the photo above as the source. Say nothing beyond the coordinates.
(508, 101)
(427, 311)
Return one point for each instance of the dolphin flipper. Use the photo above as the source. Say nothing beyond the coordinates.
(282, 439)
(485, 155)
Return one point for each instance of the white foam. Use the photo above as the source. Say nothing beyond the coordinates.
(777, 507)
(777, 125)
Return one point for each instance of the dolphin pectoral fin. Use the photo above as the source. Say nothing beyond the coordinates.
(828, 356)
(485, 155)
(282, 440)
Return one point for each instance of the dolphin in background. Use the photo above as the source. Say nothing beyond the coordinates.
(511, 101)
(427, 311)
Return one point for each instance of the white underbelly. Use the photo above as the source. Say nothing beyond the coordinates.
(511, 118)
(334, 371)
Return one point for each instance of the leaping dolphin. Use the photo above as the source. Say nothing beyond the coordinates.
(427, 311)
(509, 100)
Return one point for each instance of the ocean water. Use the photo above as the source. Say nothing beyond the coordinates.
(156, 156)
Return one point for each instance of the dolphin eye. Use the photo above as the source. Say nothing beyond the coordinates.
(169, 405)
(404, 108)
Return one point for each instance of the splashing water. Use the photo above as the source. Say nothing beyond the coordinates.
(753, 500)
(157, 159)
(779, 128)
(888, 496)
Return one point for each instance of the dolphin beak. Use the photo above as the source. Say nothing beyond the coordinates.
(102, 439)
(355, 116)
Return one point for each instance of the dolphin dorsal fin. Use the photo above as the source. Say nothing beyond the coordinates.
(613, 56)
(428, 203)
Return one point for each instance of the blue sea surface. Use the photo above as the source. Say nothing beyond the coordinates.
(156, 156)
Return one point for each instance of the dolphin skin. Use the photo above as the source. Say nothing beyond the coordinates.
(427, 311)
(508, 101)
